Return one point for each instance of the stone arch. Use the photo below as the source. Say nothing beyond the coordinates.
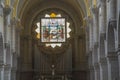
(111, 37)
(1, 48)
(27, 20)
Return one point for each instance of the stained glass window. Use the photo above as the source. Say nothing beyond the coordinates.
(53, 30)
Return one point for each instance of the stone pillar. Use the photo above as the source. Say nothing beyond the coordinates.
(92, 77)
(113, 9)
(90, 33)
(7, 72)
(103, 17)
(95, 24)
(102, 46)
(14, 66)
(13, 34)
(75, 50)
(76, 63)
(103, 69)
(95, 55)
(119, 59)
(13, 38)
(113, 14)
(13, 73)
(113, 73)
(1, 72)
(6, 12)
(26, 65)
(97, 71)
(1, 19)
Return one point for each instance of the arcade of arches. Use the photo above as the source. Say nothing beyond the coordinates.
(59, 39)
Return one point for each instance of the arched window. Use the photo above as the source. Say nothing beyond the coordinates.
(53, 30)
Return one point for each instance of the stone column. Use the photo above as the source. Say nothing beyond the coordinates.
(75, 50)
(119, 59)
(14, 66)
(1, 72)
(103, 17)
(90, 25)
(26, 64)
(6, 12)
(13, 73)
(7, 72)
(95, 24)
(75, 65)
(1, 19)
(92, 77)
(113, 13)
(103, 69)
(13, 34)
(113, 9)
(97, 71)
(113, 73)
(13, 37)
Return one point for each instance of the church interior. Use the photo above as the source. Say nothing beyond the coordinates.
(59, 39)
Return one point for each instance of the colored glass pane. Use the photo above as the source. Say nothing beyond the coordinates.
(52, 15)
(53, 30)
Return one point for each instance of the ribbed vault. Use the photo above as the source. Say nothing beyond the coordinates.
(32, 8)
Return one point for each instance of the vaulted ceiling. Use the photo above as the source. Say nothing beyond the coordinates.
(27, 8)
(22, 8)
(26, 5)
